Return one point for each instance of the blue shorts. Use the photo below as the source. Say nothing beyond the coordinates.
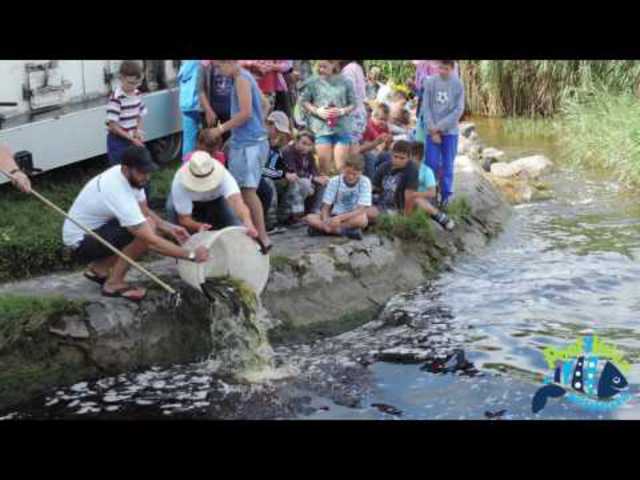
(115, 146)
(246, 163)
(334, 139)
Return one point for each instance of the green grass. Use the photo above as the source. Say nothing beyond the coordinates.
(31, 233)
(602, 129)
(16, 307)
(416, 227)
(22, 314)
(459, 209)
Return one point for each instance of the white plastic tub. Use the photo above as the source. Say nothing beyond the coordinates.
(231, 252)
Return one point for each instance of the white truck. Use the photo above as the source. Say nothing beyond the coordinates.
(52, 112)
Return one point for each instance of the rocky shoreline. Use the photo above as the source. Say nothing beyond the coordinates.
(318, 288)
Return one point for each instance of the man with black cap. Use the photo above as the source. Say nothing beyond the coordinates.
(113, 205)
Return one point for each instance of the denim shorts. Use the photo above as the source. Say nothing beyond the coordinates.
(334, 139)
(246, 163)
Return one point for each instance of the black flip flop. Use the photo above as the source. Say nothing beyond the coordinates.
(121, 291)
(94, 277)
(264, 250)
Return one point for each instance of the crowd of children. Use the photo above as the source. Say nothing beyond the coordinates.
(404, 139)
(271, 144)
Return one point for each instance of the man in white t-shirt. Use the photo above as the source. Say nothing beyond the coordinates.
(204, 195)
(113, 204)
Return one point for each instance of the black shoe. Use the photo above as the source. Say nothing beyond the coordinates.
(353, 233)
(314, 232)
(444, 204)
(444, 221)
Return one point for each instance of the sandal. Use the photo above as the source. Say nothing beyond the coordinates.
(264, 249)
(94, 277)
(121, 292)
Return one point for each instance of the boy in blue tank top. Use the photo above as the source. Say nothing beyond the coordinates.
(249, 145)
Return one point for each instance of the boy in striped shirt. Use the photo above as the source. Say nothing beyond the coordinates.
(124, 113)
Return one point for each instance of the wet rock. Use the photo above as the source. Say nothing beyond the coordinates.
(515, 190)
(466, 129)
(532, 167)
(491, 153)
(72, 327)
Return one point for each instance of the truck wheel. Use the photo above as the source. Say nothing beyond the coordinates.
(166, 149)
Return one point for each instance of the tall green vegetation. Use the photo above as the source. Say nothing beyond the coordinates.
(398, 71)
(602, 129)
(538, 88)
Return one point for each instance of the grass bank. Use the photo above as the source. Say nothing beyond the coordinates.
(602, 129)
(31, 233)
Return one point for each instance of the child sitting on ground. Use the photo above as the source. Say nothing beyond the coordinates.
(345, 203)
(376, 139)
(396, 182)
(304, 185)
(426, 192)
(211, 142)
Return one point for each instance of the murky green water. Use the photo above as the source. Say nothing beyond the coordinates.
(560, 267)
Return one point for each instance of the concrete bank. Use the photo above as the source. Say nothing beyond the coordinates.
(317, 286)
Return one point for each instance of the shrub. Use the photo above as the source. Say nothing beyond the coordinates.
(415, 227)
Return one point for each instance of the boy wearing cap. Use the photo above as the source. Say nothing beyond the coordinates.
(275, 169)
(201, 194)
(114, 206)
(303, 180)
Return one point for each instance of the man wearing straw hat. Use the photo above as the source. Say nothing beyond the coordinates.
(113, 205)
(201, 194)
(8, 164)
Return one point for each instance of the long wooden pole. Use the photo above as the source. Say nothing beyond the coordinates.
(130, 261)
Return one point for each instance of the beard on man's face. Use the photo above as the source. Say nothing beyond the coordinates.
(136, 183)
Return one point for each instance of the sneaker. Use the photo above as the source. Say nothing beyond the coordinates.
(353, 233)
(443, 204)
(314, 232)
(445, 221)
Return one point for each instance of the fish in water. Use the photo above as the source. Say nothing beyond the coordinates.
(497, 414)
(388, 409)
(454, 363)
(588, 375)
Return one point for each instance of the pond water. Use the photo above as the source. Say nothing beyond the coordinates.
(561, 267)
